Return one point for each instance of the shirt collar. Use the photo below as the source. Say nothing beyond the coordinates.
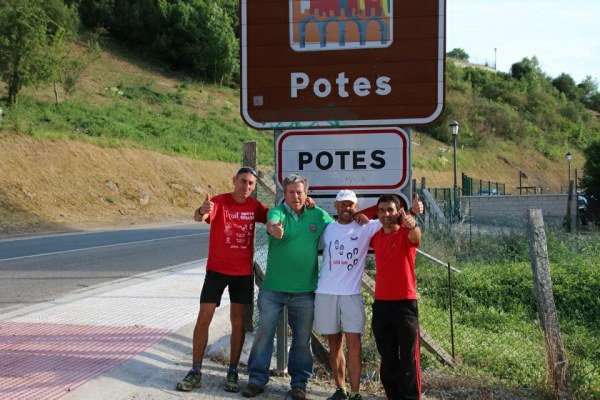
(292, 212)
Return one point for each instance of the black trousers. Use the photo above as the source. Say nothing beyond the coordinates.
(395, 326)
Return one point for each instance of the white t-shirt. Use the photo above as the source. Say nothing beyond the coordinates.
(344, 253)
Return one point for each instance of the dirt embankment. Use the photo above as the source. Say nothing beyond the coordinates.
(50, 186)
(59, 185)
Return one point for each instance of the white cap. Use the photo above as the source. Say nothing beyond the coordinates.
(344, 195)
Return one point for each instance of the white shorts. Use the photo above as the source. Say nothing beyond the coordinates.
(339, 313)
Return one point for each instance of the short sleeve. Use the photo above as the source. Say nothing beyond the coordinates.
(275, 215)
(261, 212)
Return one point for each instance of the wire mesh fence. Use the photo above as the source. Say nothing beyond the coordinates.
(445, 201)
(486, 316)
(480, 187)
(265, 193)
(498, 335)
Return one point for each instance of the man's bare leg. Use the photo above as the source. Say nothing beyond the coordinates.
(337, 359)
(236, 314)
(200, 339)
(354, 360)
(193, 379)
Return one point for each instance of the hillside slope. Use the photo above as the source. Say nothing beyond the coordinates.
(64, 185)
(61, 181)
(58, 185)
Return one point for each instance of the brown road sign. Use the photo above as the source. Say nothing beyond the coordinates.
(335, 63)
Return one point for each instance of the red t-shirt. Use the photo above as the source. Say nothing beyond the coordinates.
(394, 265)
(231, 243)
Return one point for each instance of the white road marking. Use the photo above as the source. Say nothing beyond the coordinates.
(100, 247)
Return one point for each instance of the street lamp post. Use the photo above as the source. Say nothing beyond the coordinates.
(454, 128)
(569, 158)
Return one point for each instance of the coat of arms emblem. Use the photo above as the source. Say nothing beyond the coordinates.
(319, 25)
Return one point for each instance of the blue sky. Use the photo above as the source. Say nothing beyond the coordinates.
(563, 35)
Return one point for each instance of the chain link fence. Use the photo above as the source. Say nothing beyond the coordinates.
(481, 328)
(265, 192)
(480, 187)
(498, 329)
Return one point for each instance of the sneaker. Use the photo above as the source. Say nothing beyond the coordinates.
(357, 396)
(298, 393)
(192, 380)
(252, 390)
(338, 395)
(232, 382)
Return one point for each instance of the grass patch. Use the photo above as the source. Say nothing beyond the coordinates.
(138, 114)
(497, 334)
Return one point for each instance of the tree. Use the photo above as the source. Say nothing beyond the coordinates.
(199, 35)
(232, 8)
(222, 45)
(22, 44)
(96, 13)
(30, 31)
(70, 66)
(61, 16)
(459, 54)
(588, 89)
(591, 178)
(193, 35)
(526, 68)
(565, 84)
(595, 102)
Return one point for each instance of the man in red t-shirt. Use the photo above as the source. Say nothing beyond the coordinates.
(395, 318)
(232, 218)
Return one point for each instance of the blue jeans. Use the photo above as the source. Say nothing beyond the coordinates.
(300, 318)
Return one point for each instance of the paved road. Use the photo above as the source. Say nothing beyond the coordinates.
(43, 268)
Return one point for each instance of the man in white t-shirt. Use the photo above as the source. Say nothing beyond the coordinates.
(339, 305)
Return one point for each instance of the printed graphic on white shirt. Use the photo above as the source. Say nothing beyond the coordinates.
(345, 250)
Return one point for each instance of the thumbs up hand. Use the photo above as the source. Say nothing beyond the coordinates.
(276, 229)
(207, 206)
(417, 205)
(408, 220)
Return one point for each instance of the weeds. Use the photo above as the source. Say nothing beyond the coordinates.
(142, 116)
(497, 335)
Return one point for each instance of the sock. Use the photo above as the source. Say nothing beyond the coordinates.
(196, 366)
(352, 394)
(343, 389)
(232, 369)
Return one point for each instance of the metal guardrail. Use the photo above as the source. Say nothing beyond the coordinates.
(321, 352)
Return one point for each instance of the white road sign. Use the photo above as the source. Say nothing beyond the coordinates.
(369, 161)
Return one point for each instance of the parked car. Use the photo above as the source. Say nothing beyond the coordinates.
(582, 204)
(487, 192)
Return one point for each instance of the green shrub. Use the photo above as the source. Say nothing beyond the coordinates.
(497, 333)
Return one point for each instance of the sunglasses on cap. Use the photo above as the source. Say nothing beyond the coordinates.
(247, 170)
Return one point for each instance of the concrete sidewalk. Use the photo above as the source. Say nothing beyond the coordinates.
(129, 339)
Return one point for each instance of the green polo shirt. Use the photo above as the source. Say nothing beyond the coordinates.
(292, 260)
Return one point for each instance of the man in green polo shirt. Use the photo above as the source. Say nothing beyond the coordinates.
(290, 279)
